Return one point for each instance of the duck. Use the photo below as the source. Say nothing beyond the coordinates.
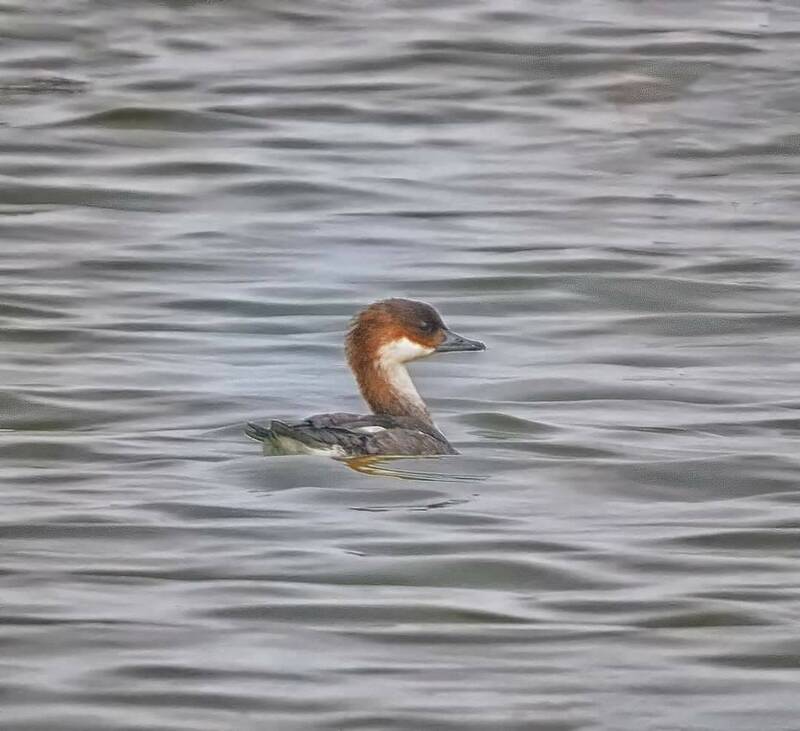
(381, 340)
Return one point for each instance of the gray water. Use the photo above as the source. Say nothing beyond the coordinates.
(196, 196)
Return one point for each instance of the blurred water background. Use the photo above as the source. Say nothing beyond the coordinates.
(195, 197)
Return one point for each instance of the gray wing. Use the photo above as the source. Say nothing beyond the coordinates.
(369, 421)
(406, 442)
(361, 434)
(378, 434)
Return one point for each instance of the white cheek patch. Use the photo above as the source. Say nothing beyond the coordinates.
(403, 350)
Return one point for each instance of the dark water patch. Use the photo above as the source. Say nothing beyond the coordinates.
(52, 410)
(702, 324)
(92, 531)
(703, 619)
(695, 48)
(510, 16)
(656, 293)
(491, 47)
(783, 146)
(456, 214)
(650, 91)
(262, 307)
(602, 606)
(661, 199)
(648, 293)
(184, 168)
(767, 539)
(562, 389)
(331, 112)
(646, 360)
(498, 423)
(472, 572)
(300, 195)
(16, 312)
(560, 265)
(444, 722)
(354, 114)
(158, 672)
(190, 45)
(163, 86)
(25, 414)
(754, 427)
(27, 195)
(343, 614)
(348, 86)
(477, 284)
(292, 142)
(137, 265)
(42, 85)
(39, 32)
(54, 62)
(46, 720)
(778, 657)
(724, 477)
(455, 547)
(146, 118)
(754, 265)
(194, 511)
(455, 517)
(531, 635)
(549, 450)
(755, 594)
(44, 148)
(231, 702)
(753, 223)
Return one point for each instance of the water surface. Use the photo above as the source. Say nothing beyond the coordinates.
(195, 197)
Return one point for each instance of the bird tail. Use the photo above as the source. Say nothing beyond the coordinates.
(258, 432)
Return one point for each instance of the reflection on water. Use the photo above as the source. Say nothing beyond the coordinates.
(392, 467)
(196, 196)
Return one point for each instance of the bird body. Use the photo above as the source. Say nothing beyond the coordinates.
(382, 338)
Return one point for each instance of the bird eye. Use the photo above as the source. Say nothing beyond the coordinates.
(425, 325)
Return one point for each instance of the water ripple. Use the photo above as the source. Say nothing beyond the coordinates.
(195, 198)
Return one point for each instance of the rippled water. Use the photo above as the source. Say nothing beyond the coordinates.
(195, 196)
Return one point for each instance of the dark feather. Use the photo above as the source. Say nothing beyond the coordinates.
(401, 435)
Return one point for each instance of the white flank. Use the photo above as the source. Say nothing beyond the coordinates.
(283, 445)
(369, 429)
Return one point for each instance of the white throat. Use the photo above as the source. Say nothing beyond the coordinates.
(392, 359)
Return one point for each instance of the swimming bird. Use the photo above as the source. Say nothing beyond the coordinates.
(382, 338)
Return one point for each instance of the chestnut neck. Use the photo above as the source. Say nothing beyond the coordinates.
(388, 389)
(386, 386)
